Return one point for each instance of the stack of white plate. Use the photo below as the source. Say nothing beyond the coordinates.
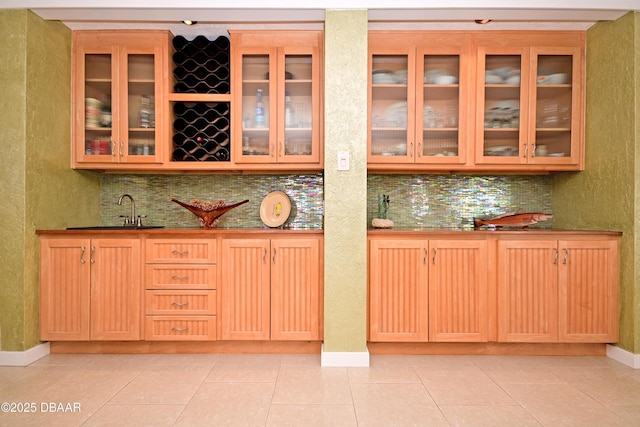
(383, 77)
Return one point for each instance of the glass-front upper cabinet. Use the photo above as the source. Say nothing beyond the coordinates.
(442, 129)
(501, 92)
(417, 87)
(118, 93)
(392, 137)
(558, 106)
(529, 107)
(277, 100)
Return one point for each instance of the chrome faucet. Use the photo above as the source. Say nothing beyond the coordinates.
(129, 220)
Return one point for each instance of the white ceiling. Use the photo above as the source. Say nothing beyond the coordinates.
(408, 13)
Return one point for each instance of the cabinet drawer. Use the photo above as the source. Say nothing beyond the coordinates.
(189, 251)
(174, 328)
(180, 302)
(180, 277)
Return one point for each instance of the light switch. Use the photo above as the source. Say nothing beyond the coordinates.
(343, 160)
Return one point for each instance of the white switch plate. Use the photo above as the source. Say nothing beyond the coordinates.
(343, 160)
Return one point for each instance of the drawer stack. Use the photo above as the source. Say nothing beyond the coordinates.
(180, 289)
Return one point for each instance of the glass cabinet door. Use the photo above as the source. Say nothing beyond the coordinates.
(140, 120)
(391, 124)
(555, 102)
(99, 139)
(438, 125)
(297, 106)
(257, 68)
(500, 108)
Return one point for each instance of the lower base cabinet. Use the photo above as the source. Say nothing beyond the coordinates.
(270, 289)
(503, 287)
(558, 290)
(90, 289)
(428, 290)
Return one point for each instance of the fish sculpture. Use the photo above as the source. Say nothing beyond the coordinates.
(518, 219)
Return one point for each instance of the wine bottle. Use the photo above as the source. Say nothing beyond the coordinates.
(288, 112)
(259, 118)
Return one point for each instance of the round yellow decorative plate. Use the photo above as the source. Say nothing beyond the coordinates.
(275, 209)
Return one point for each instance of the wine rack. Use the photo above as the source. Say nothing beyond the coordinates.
(201, 65)
(201, 100)
(201, 131)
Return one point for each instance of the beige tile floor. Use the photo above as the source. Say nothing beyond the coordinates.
(294, 390)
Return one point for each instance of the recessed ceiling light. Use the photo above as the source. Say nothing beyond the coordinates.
(482, 21)
(189, 22)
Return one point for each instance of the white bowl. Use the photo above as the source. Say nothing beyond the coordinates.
(445, 80)
(513, 80)
(400, 76)
(429, 75)
(493, 79)
(558, 78)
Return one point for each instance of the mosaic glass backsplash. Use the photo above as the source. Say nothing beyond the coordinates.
(416, 201)
(452, 201)
(153, 194)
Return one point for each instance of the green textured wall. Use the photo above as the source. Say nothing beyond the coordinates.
(39, 189)
(345, 281)
(12, 191)
(606, 194)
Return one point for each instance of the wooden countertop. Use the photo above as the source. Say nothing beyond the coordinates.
(189, 232)
(486, 232)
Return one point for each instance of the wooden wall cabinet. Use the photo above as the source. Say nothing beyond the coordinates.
(270, 289)
(419, 90)
(277, 99)
(530, 101)
(558, 290)
(499, 101)
(119, 89)
(90, 289)
(428, 290)
(180, 289)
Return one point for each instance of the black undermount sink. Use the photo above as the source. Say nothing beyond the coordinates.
(117, 227)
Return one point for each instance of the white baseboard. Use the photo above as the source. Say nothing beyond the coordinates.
(623, 356)
(24, 358)
(344, 359)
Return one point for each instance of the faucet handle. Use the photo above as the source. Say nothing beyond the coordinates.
(139, 220)
(127, 221)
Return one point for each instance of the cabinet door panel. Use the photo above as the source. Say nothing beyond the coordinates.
(64, 289)
(555, 128)
(115, 289)
(527, 291)
(398, 284)
(299, 104)
(502, 95)
(458, 291)
(245, 289)
(588, 294)
(294, 289)
(391, 105)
